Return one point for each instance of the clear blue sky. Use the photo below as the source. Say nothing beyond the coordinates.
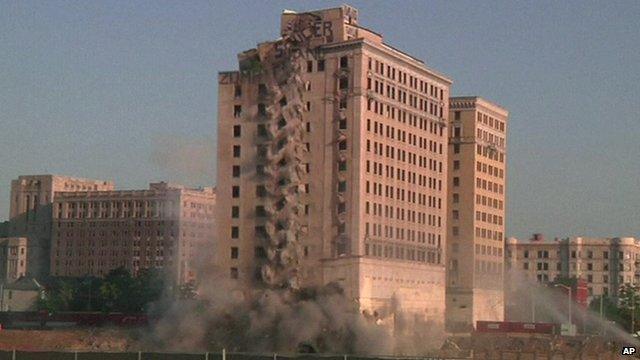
(109, 89)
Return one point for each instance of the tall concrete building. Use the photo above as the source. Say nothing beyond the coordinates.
(476, 211)
(30, 212)
(167, 226)
(332, 163)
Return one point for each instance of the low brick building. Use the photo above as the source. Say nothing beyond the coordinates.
(13, 259)
(167, 226)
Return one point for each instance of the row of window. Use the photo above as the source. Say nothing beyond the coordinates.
(490, 138)
(399, 233)
(424, 105)
(390, 132)
(387, 191)
(391, 212)
(405, 117)
(487, 152)
(489, 218)
(140, 223)
(489, 201)
(489, 186)
(491, 122)
(488, 267)
(490, 169)
(400, 252)
(488, 250)
(414, 178)
(414, 159)
(489, 234)
(578, 267)
(418, 84)
(578, 254)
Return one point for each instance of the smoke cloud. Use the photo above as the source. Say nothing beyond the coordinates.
(189, 161)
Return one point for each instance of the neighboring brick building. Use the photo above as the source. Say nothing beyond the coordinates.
(13, 259)
(477, 215)
(167, 226)
(604, 263)
(345, 154)
(30, 213)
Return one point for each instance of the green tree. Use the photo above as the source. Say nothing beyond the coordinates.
(116, 290)
(629, 296)
(148, 287)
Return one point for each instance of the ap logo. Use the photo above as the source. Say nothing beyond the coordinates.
(628, 350)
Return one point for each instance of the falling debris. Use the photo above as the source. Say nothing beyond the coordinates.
(279, 66)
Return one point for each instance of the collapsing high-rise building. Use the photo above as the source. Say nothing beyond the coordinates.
(332, 163)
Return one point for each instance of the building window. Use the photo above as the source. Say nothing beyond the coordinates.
(236, 131)
(236, 151)
(455, 231)
(260, 211)
(342, 165)
(456, 198)
(235, 212)
(235, 191)
(309, 66)
(456, 165)
(236, 171)
(237, 111)
(456, 181)
(344, 83)
(261, 191)
(456, 148)
(456, 115)
(344, 62)
(234, 252)
(235, 232)
(260, 253)
(321, 65)
(233, 272)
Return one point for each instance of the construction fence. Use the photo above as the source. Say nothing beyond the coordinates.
(48, 355)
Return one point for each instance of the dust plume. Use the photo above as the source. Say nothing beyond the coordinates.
(531, 301)
(189, 161)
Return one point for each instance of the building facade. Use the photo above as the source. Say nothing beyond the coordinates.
(13, 259)
(604, 263)
(21, 295)
(167, 226)
(30, 212)
(476, 211)
(332, 165)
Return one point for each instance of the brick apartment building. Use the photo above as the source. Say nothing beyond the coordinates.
(167, 226)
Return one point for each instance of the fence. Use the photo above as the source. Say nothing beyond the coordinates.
(25, 355)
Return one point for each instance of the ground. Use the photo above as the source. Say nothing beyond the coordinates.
(102, 339)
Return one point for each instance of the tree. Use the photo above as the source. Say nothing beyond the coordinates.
(629, 296)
